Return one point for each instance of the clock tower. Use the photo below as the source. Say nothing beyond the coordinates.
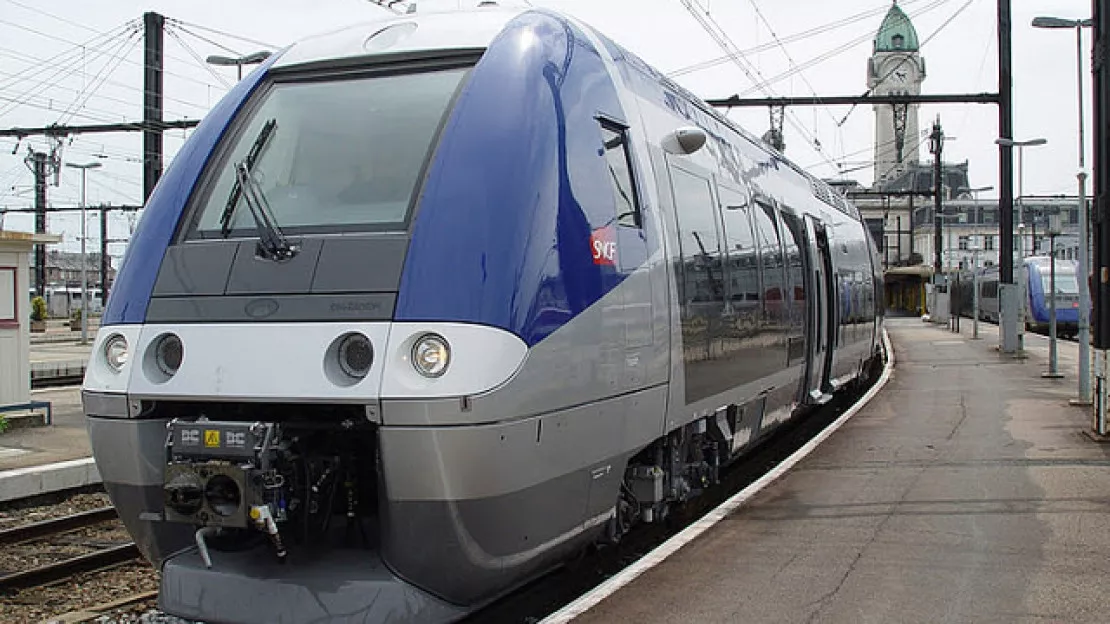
(895, 67)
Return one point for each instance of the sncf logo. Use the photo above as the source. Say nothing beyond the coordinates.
(603, 244)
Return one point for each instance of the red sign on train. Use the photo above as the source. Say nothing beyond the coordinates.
(603, 245)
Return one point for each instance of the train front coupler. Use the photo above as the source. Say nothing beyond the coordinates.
(224, 476)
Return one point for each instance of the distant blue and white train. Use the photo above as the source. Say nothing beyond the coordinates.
(1036, 275)
(426, 306)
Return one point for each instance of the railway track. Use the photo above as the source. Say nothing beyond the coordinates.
(30, 542)
(95, 613)
(53, 382)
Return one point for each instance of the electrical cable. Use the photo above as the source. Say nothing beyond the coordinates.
(53, 16)
(800, 36)
(23, 57)
(207, 40)
(173, 33)
(97, 81)
(225, 34)
(129, 61)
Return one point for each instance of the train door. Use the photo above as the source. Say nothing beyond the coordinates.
(821, 317)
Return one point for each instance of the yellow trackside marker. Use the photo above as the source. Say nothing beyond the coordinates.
(211, 438)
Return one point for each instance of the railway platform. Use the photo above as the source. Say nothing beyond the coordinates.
(39, 460)
(965, 491)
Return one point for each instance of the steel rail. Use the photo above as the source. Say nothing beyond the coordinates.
(54, 526)
(69, 567)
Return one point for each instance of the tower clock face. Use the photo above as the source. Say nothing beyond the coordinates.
(900, 72)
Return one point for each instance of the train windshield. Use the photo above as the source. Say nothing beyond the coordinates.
(1065, 283)
(343, 155)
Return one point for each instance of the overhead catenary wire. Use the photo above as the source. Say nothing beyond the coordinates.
(833, 53)
(178, 26)
(173, 34)
(98, 79)
(858, 18)
(59, 18)
(721, 38)
(25, 58)
(224, 34)
(64, 59)
(129, 61)
(789, 58)
(64, 71)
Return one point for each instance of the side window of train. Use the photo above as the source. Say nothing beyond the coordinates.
(741, 253)
(617, 158)
(773, 292)
(703, 285)
(794, 241)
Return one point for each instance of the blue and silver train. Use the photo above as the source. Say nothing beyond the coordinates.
(1037, 279)
(426, 306)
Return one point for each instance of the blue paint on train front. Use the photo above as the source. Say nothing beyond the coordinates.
(517, 188)
(1038, 298)
(132, 289)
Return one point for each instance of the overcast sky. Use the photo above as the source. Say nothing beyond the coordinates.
(959, 47)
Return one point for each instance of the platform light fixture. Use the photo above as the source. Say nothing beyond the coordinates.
(84, 261)
(1083, 261)
(250, 59)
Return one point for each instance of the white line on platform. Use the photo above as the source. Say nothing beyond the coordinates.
(35, 480)
(590, 599)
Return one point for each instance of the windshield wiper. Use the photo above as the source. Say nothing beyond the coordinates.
(260, 142)
(272, 242)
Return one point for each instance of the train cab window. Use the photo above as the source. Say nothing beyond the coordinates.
(615, 141)
(333, 155)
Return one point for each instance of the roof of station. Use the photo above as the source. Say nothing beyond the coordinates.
(897, 33)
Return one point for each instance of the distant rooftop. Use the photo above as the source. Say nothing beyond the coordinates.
(11, 235)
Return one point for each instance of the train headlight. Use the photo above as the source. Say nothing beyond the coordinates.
(115, 352)
(356, 354)
(168, 354)
(430, 355)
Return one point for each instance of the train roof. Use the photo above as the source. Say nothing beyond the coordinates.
(404, 34)
(474, 29)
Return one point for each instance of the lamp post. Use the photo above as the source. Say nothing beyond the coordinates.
(1019, 261)
(84, 275)
(1083, 261)
(1053, 230)
(239, 62)
(975, 248)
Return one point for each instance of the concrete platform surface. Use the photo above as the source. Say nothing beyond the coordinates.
(66, 439)
(45, 459)
(965, 492)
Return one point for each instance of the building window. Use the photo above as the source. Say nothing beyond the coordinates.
(988, 242)
(9, 310)
(965, 242)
